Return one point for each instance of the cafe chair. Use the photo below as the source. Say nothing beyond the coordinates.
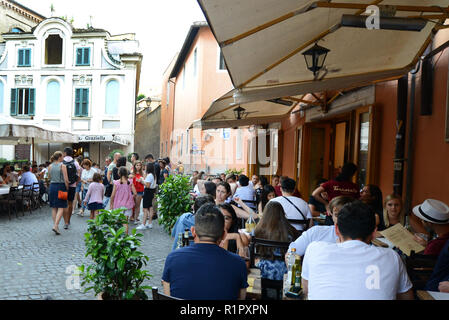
(305, 223)
(35, 196)
(271, 289)
(257, 242)
(161, 296)
(24, 197)
(10, 202)
(420, 268)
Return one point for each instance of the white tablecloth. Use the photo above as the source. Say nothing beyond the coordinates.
(5, 190)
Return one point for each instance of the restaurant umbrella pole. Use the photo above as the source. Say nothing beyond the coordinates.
(410, 145)
(401, 121)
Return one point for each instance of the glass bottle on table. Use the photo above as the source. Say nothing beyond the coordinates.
(250, 224)
(289, 281)
(180, 241)
(185, 238)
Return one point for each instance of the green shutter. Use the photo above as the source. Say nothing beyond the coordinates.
(27, 58)
(14, 102)
(85, 102)
(79, 56)
(21, 57)
(31, 101)
(86, 59)
(77, 102)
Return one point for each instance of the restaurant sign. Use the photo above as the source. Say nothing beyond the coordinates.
(104, 138)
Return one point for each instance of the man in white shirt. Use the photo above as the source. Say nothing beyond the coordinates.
(245, 192)
(321, 233)
(353, 269)
(294, 207)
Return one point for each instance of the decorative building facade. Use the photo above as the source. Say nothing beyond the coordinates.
(78, 80)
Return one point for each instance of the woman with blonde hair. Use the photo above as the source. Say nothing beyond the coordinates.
(393, 210)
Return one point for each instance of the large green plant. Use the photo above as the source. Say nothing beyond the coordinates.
(173, 200)
(117, 264)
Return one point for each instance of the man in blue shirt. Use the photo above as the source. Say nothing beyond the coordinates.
(204, 270)
(28, 178)
(245, 192)
(187, 220)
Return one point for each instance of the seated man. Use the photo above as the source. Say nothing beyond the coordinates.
(440, 273)
(28, 178)
(294, 207)
(204, 270)
(321, 233)
(245, 192)
(353, 269)
(187, 220)
(434, 216)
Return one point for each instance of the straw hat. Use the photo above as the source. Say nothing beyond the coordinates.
(432, 211)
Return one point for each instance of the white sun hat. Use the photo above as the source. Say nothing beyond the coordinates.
(433, 211)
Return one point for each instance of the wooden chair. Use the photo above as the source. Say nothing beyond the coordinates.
(305, 223)
(283, 246)
(420, 268)
(161, 296)
(10, 201)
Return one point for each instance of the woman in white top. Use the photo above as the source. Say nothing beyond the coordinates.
(148, 196)
(87, 176)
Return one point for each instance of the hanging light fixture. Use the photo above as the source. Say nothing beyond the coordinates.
(239, 113)
(315, 58)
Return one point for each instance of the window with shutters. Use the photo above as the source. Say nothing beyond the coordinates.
(81, 102)
(83, 56)
(24, 58)
(23, 102)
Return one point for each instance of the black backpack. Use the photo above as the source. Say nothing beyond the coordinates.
(71, 171)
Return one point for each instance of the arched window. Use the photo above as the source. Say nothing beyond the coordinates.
(2, 90)
(53, 97)
(17, 30)
(112, 97)
(53, 49)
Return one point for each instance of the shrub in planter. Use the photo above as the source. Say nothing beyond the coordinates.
(173, 200)
(116, 272)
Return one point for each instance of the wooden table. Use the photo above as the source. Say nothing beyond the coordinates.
(428, 295)
(254, 291)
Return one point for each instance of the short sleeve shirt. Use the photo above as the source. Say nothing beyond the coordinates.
(291, 212)
(317, 233)
(341, 188)
(353, 270)
(205, 272)
(150, 179)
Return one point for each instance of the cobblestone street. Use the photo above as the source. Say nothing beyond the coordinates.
(33, 260)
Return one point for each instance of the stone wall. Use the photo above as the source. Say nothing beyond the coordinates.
(10, 18)
(148, 132)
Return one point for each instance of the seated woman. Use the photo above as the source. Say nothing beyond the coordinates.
(268, 193)
(273, 226)
(372, 196)
(235, 241)
(223, 193)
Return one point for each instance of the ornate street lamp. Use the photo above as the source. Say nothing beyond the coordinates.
(239, 113)
(148, 102)
(315, 58)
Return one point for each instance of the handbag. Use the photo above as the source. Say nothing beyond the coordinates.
(63, 195)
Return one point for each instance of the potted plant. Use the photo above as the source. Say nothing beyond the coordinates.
(173, 200)
(116, 272)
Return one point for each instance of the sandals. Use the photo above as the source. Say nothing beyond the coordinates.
(56, 231)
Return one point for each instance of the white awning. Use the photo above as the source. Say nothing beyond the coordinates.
(14, 131)
(263, 40)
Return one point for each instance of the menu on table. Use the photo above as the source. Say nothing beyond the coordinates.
(402, 239)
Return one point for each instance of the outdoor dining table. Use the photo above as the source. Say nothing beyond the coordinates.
(4, 190)
(431, 295)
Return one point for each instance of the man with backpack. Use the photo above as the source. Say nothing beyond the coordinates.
(74, 175)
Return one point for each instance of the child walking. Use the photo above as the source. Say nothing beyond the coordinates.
(94, 196)
(123, 194)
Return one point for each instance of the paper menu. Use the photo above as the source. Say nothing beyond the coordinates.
(402, 239)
